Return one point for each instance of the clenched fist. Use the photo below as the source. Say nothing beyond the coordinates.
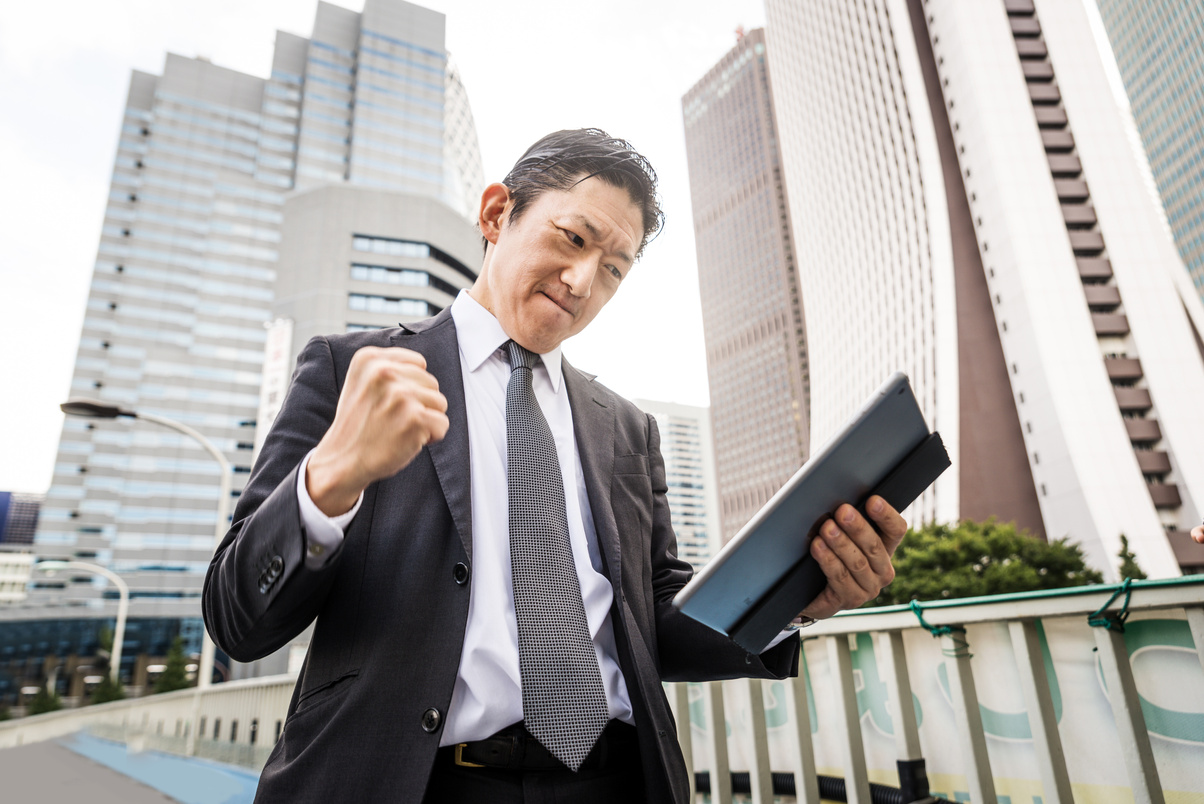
(389, 409)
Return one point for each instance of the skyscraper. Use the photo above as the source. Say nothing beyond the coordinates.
(752, 311)
(189, 268)
(975, 216)
(687, 449)
(1159, 48)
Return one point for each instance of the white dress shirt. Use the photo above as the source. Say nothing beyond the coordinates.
(488, 694)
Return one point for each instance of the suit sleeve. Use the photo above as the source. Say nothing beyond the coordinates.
(689, 650)
(259, 592)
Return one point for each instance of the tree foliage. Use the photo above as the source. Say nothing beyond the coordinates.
(107, 690)
(1128, 561)
(940, 562)
(44, 701)
(175, 674)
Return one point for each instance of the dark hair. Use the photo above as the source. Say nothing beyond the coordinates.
(564, 159)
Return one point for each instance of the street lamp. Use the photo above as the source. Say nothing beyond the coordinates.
(97, 409)
(123, 605)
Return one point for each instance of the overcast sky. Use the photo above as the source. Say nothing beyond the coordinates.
(530, 66)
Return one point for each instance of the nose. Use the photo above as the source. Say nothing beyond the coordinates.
(579, 276)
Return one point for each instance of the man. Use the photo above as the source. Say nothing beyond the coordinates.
(407, 498)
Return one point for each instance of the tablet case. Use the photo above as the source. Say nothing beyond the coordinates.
(798, 587)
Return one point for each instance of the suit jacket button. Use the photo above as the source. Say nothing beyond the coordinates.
(431, 720)
(460, 573)
(276, 567)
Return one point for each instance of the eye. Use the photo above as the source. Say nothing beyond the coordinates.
(574, 238)
(614, 271)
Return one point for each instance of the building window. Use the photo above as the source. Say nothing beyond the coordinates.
(387, 304)
(390, 246)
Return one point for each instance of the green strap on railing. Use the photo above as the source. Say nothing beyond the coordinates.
(961, 648)
(1113, 620)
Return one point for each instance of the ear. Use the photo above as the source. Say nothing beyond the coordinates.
(495, 203)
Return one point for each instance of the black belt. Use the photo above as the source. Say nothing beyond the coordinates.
(514, 748)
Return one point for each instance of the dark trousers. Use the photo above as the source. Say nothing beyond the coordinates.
(618, 780)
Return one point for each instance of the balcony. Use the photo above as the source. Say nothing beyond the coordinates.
(1164, 495)
(1025, 27)
(1069, 189)
(1153, 462)
(1110, 324)
(1064, 164)
(1143, 430)
(1078, 215)
(1056, 141)
(1102, 298)
(1037, 71)
(1050, 116)
(1044, 93)
(1094, 269)
(1019, 7)
(1031, 49)
(1132, 399)
(1188, 552)
(1086, 243)
(1123, 368)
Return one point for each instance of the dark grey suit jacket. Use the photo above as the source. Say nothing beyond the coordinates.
(391, 607)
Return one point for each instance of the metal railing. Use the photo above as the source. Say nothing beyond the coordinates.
(1050, 680)
(1017, 696)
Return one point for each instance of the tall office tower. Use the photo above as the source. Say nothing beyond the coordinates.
(195, 258)
(975, 216)
(1159, 48)
(19, 517)
(752, 310)
(688, 451)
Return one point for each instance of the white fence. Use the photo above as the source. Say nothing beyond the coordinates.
(1018, 701)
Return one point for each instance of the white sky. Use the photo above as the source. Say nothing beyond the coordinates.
(530, 66)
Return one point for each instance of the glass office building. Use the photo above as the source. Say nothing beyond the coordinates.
(190, 269)
(1159, 48)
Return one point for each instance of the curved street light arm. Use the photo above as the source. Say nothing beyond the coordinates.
(123, 605)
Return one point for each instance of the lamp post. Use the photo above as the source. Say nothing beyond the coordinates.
(123, 604)
(96, 409)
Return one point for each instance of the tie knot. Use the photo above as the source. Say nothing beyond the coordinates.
(520, 357)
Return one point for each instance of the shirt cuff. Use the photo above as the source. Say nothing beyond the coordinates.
(779, 639)
(323, 534)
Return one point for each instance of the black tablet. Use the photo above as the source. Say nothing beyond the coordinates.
(765, 576)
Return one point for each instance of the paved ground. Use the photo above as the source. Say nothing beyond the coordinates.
(82, 768)
(49, 773)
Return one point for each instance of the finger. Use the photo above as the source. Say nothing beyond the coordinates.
(396, 354)
(435, 424)
(867, 539)
(891, 524)
(852, 557)
(427, 399)
(403, 372)
(827, 602)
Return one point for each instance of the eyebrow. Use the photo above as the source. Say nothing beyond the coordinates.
(594, 232)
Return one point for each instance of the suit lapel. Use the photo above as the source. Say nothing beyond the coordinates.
(435, 338)
(594, 423)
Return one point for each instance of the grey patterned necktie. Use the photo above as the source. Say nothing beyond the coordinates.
(564, 702)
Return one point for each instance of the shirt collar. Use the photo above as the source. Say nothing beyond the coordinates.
(480, 335)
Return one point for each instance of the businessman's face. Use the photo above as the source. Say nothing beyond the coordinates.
(546, 275)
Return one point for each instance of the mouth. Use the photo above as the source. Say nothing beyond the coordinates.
(563, 304)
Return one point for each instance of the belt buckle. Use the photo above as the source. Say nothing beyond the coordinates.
(461, 761)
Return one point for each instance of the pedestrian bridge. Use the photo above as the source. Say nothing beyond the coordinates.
(1092, 694)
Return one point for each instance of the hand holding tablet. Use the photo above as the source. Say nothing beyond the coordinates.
(804, 551)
